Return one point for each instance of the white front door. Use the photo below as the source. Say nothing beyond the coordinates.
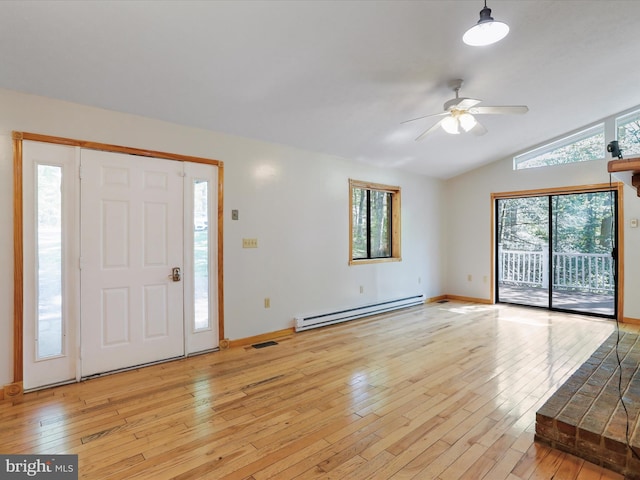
(131, 223)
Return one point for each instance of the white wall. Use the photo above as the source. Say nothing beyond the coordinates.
(469, 221)
(294, 202)
(297, 208)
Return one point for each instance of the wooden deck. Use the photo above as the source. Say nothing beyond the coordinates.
(587, 303)
(446, 391)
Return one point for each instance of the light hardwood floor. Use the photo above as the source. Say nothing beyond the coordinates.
(445, 391)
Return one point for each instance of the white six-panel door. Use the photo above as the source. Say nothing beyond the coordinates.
(131, 238)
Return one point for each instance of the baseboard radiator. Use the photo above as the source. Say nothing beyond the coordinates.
(329, 318)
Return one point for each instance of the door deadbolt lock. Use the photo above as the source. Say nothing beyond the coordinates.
(175, 274)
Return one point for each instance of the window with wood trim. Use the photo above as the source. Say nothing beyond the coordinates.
(374, 222)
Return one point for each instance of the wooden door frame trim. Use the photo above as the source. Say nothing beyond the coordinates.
(18, 234)
(618, 187)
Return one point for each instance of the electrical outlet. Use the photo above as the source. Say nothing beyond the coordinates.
(419, 280)
(469, 278)
(249, 243)
(633, 223)
(267, 302)
(361, 289)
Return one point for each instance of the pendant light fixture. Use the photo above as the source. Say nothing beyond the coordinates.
(486, 31)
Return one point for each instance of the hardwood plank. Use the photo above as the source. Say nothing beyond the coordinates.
(297, 455)
(421, 462)
(549, 465)
(503, 467)
(463, 463)
(569, 468)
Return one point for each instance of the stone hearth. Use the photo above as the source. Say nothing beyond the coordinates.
(585, 416)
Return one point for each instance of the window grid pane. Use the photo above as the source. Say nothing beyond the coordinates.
(49, 260)
(579, 147)
(359, 225)
(371, 223)
(628, 133)
(380, 215)
(201, 255)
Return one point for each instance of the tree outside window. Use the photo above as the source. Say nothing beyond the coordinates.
(583, 146)
(375, 222)
(628, 133)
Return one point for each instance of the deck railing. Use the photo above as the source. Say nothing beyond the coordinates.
(586, 272)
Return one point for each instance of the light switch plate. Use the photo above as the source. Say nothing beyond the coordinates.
(249, 243)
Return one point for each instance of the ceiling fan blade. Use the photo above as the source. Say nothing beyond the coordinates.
(478, 129)
(426, 116)
(467, 103)
(428, 131)
(502, 110)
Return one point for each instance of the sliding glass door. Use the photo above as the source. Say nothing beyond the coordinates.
(556, 251)
(583, 264)
(523, 248)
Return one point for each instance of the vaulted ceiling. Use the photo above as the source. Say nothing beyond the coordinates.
(335, 77)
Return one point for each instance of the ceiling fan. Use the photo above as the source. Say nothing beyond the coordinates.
(459, 114)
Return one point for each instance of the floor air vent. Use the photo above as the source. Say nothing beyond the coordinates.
(264, 344)
(323, 319)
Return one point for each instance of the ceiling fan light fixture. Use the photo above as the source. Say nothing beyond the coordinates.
(451, 125)
(467, 121)
(486, 31)
(460, 113)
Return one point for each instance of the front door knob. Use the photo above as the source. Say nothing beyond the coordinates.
(175, 274)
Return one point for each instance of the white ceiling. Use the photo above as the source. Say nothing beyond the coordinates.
(332, 76)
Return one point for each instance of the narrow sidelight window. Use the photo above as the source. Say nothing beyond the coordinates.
(49, 321)
(201, 254)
